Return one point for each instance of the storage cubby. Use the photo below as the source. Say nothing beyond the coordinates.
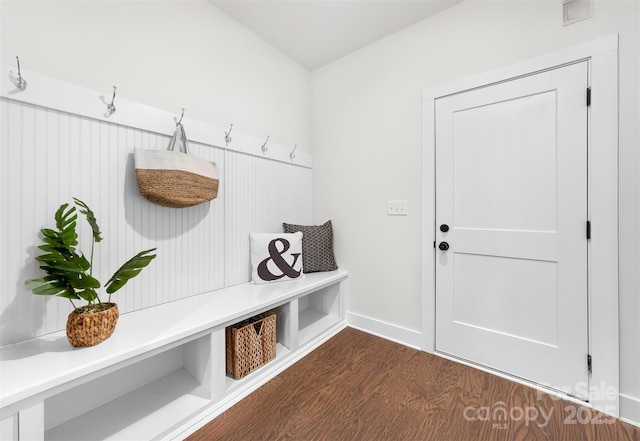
(318, 311)
(283, 347)
(163, 371)
(146, 397)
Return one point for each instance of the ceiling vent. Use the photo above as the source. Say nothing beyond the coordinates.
(576, 10)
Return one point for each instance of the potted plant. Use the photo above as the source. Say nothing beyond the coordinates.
(69, 275)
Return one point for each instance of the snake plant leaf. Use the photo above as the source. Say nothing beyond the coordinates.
(129, 270)
(91, 218)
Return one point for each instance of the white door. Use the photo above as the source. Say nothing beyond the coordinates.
(511, 186)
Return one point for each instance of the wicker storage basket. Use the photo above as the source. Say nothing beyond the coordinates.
(89, 329)
(250, 344)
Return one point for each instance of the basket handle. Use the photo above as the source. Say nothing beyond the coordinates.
(258, 327)
(179, 138)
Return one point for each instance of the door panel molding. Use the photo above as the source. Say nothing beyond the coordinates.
(602, 55)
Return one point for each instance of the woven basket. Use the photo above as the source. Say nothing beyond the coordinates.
(89, 329)
(174, 178)
(176, 188)
(250, 344)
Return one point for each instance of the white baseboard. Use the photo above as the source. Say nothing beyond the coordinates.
(398, 334)
(630, 409)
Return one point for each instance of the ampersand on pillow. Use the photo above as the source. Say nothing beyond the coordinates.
(276, 257)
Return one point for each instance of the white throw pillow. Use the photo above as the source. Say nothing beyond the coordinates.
(276, 257)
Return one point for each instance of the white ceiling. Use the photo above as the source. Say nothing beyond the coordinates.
(317, 32)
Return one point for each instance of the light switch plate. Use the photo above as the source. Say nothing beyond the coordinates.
(397, 208)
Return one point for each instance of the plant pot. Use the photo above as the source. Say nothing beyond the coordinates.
(91, 328)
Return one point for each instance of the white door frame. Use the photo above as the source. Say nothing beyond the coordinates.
(603, 205)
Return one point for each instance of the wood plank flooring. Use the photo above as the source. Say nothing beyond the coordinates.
(360, 387)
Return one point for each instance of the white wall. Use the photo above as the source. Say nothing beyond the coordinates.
(49, 155)
(367, 129)
(165, 54)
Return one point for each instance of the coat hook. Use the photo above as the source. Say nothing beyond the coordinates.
(111, 108)
(264, 147)
(178, 122)
(227, 136)
(292, 155)
(21, 83)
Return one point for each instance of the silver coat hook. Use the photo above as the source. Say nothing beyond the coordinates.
(264, 147)
(178, 122)
(292, 155)
(111, 108)
(227, 136)
(21, 83)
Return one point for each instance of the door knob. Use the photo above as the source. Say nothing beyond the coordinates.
(444, 246)
(444, 228)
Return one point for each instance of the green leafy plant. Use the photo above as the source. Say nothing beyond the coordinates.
(69, 273)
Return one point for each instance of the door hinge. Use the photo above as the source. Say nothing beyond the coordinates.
(588, 96)
(589, 364)
(434, 244)
(588, 229)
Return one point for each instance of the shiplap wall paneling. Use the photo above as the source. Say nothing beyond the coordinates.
(48, 157)
(261, 194)
(189, 241)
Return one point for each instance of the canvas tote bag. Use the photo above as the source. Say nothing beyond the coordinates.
(173, 177)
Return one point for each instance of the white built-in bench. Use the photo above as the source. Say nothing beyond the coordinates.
(161, 375)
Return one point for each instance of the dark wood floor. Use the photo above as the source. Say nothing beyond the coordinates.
(361, 387)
